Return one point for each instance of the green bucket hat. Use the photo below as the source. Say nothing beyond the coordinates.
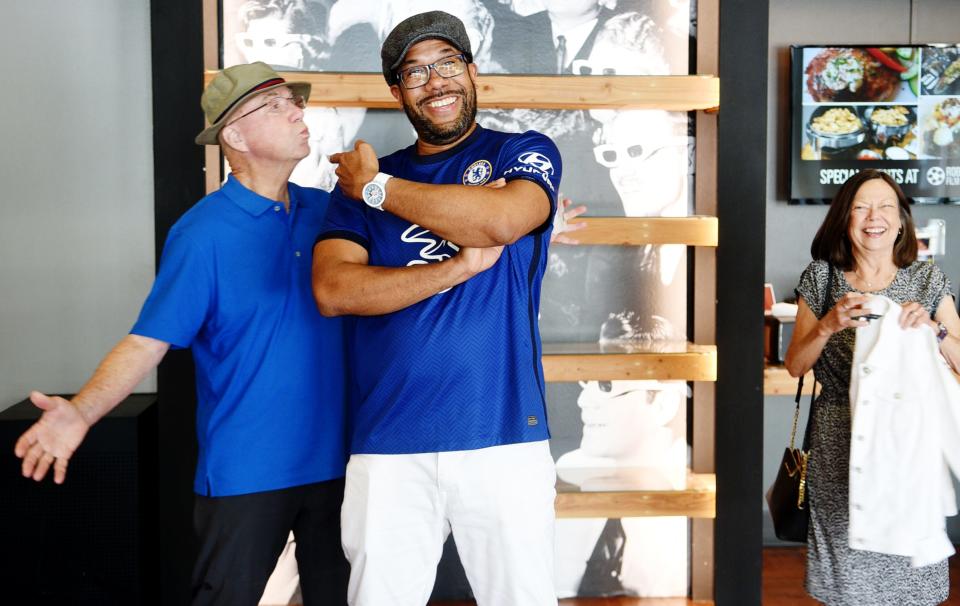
(233, 86)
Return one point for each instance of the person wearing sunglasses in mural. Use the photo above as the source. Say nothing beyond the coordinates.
(233, 285)
(639, 147)
(647, 155)
(640, 157)
(633, 437)
(442, 278)
(646, 152)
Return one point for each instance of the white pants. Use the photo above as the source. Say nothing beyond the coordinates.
(499, 503)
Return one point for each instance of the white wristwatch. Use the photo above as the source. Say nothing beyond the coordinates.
(375, 192)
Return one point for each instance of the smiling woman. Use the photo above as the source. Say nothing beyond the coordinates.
(866, 246)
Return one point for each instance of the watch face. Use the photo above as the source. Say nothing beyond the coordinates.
(373, 194)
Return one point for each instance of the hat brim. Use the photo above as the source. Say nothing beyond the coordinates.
(210, 135)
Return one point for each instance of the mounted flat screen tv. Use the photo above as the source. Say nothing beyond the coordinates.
(892, 108)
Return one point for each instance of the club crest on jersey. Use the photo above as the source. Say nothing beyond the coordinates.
(477, 173)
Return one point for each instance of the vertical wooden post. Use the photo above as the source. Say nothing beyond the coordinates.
(705, 302)
(213, 159)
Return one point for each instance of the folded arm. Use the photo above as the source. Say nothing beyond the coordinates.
(345, 284)
(468, 215)
(64, 423)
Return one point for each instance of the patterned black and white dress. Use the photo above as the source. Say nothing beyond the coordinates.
(836, 574)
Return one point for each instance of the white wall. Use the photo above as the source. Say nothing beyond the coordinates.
(76, 187)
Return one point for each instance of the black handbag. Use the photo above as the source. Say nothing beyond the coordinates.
(787, 497)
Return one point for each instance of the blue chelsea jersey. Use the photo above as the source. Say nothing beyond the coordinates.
(459, 370)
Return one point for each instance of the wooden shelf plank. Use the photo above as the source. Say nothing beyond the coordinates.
(778, 382)
(623, 499)
(661, 360)
(637, 231)
(676, 93)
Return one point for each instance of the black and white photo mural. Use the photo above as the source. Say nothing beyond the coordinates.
(633, 163)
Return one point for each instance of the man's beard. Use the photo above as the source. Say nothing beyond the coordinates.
(448, 133)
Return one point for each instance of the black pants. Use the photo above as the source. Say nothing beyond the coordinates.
(242, 536)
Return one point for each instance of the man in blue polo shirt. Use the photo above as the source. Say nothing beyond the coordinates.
(234, 286)
(447, 395)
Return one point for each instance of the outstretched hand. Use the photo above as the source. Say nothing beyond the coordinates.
(561, 224)
(53, 439)
(356, 168)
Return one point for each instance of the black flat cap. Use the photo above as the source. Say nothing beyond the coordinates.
(425, 26)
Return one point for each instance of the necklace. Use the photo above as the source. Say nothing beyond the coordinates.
(880, 279)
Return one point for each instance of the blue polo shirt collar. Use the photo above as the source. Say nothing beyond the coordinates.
(250, 201)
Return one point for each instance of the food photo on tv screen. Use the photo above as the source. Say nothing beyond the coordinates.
(894, 108)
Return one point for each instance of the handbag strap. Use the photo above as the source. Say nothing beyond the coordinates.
(813, 392)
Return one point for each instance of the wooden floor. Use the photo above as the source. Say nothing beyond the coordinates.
(782, 585)
(783, 578)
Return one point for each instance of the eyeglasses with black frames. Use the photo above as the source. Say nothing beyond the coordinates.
(275, 105)
(418, 75)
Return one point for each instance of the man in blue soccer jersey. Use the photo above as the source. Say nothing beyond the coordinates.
(448, 415)
(234, 286)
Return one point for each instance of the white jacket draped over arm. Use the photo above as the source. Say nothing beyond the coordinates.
(905, 439)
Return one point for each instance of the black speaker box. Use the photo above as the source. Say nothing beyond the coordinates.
(93, 539)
